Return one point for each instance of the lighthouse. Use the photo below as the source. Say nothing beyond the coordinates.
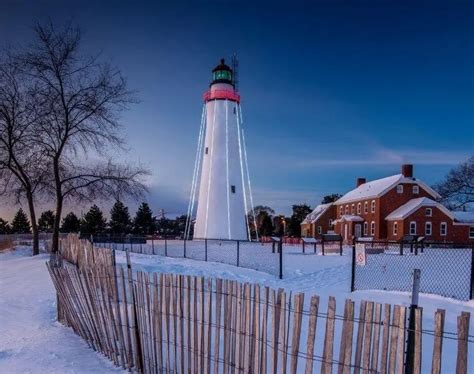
(221, 180)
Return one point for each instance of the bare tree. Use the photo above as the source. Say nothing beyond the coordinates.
(21, 160)
(457, 188)
(83, 98)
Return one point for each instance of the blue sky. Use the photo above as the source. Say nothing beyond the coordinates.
(331, 90)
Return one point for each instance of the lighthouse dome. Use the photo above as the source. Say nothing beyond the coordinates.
(222, 73)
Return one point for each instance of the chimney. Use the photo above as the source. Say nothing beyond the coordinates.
(360, 181)
(407, 170)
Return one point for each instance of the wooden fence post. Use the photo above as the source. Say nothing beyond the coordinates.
(463, 333)
(295, 342)
(326, 366)
(438, 342)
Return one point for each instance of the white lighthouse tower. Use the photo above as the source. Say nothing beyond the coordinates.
(221, 168)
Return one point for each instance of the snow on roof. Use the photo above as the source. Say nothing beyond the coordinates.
(316, 213)
(350, 218)
(379, 187)
(464, 217)
(408, 208)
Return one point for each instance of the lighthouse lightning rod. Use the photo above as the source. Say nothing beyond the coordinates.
(195, 174)
(248, 177)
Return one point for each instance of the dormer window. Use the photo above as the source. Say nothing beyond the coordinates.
(400, 188)
(416, 190)
(428, 212)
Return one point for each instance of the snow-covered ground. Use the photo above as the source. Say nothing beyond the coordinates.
(330, 276)
(31, 341)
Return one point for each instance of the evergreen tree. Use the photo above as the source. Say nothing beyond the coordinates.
(265, 224)
(46, 221)
(119, 219)
(4, 227)
(299, 214)
(144, 223)
(93, 221)
(20, 223)
(330, 198)
(70, 223)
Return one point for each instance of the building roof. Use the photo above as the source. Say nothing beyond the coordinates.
(349, 218)
(411, 206)
(379, 187)
(316, 213)
(464, 217)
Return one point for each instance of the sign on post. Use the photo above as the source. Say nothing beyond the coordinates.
(360, 254)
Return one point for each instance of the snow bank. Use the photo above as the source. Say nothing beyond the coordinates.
(31, 341)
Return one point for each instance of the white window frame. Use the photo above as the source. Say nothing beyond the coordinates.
(445, 225)
(353, 209)
(430, 225)
(410, 230)
(372, 206)
(471, 232)
(366, 207)
(320, 229)
(341, 210)
(330, 222)
(366, 228)
(359, 208)
(400, 188)
(395, 228)
(346, 211)
(416, 189)
(429, 210)
(372, 228)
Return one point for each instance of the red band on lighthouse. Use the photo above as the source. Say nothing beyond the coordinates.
(221, 95)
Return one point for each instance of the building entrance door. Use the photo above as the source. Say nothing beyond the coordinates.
(358, 230)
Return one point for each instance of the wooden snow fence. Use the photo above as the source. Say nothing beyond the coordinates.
(83, 254)
(170, 323)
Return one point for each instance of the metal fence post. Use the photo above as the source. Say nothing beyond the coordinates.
(322, 246)
(205, 249)
(471, 290)
(238, 253)
(340, 247)
(152, 245)
(166, 247)
(280, 247)
(184, 248)
(410, 352)
(353, 265)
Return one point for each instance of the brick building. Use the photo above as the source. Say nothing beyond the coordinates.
(319, 221)
(391, 207)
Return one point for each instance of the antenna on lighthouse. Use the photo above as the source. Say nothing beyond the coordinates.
(235, 70)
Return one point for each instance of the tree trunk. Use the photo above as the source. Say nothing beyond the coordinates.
(34, 224)
(59, 206)
(57, 220)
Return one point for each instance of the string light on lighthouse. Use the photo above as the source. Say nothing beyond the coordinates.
(197, 163)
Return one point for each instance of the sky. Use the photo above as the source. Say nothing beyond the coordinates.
(331, 90)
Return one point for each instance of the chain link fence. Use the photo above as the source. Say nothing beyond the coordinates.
(446, 269)
(246, 254)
